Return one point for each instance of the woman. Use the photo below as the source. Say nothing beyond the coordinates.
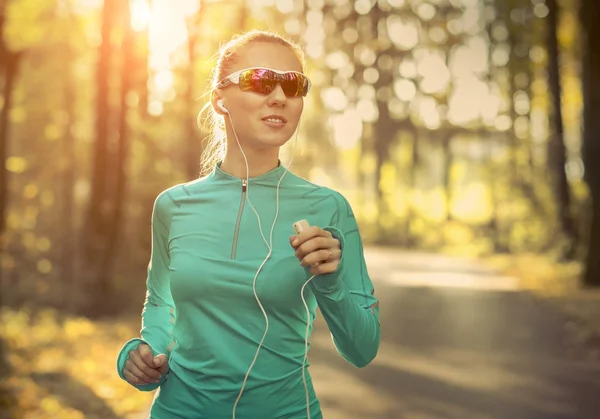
(231, 296)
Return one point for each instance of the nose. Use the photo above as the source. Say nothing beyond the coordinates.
(277, 97)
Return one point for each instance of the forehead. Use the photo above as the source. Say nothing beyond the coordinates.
(266, 54)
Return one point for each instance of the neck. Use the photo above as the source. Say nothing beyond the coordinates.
(259, 162)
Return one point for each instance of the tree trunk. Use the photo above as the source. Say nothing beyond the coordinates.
(520, 176)
(69, 162)
(413, 174)
(383, 132)
(494, 224)
(384, 129)
(142, 81)
(116, 217)
(95, 233)
(244, 16)
(194, 150)
(590, 16)
(557, 156)
(448, 161)
(496, 231)
(11, 66)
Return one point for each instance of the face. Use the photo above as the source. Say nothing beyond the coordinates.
(256, 117)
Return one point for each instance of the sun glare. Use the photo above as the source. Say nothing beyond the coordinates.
(140, 15)
(165, 22)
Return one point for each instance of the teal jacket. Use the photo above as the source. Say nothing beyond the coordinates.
(200, 309)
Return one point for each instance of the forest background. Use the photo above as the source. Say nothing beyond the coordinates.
(467, 127)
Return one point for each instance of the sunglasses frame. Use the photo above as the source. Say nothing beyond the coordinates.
(234, 78)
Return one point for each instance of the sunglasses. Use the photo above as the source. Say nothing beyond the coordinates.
(264, 80)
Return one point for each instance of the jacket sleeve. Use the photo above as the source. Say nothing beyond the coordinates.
(346, 296)
(158, 314)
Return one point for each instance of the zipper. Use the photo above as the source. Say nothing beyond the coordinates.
(239, 218)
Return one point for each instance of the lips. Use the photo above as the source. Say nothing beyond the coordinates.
(275, 119)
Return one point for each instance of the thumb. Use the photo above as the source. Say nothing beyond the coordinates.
(160, 360)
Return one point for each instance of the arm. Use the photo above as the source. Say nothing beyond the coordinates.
(346, 296)
(158, 314)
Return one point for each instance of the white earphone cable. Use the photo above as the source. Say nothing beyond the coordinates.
(269, 245)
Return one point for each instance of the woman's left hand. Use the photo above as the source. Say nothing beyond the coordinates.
(318, 249)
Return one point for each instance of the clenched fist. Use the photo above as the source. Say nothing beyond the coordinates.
(142, 368)
(318, 249)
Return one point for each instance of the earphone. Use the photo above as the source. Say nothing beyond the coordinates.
(298, 226)
(224, 109)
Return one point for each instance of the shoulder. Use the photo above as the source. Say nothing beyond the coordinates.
(173, 196)
(322, 195)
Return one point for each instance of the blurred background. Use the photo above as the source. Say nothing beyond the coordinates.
(463, 128)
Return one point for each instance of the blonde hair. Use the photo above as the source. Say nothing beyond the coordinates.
(216, 145)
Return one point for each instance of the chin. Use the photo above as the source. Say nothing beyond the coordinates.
(275, 141)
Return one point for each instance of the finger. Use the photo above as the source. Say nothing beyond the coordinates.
(315, 244)
(141, 376)
(146, 354)
(324, 268)
(141, 364)
(132, 379)
(321, 256)
(308, 234)
(316, 257)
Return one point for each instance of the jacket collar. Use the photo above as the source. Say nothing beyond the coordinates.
(270, 178)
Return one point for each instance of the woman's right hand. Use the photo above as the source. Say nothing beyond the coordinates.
(141, 368)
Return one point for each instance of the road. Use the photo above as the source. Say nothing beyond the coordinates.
(458, 342)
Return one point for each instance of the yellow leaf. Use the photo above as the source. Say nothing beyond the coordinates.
(28, 240)
(44, 266)
(43, 244)
(52, 132)
(16, 164)
(18, 115)
(50, 405)
(78, 328)
(47, 198)
(30, 191)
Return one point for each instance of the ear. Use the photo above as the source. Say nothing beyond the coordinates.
(214, 99)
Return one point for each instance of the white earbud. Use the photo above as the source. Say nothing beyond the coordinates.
(221, 106)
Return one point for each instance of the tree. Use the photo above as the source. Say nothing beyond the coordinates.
(9, 65)
(110, 152)
(557, 156)
(97, 215)
(590, 16)
(122, 154)
(193, 23)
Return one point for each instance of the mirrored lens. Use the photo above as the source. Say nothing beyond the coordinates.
(291, 84)
(264, 81)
